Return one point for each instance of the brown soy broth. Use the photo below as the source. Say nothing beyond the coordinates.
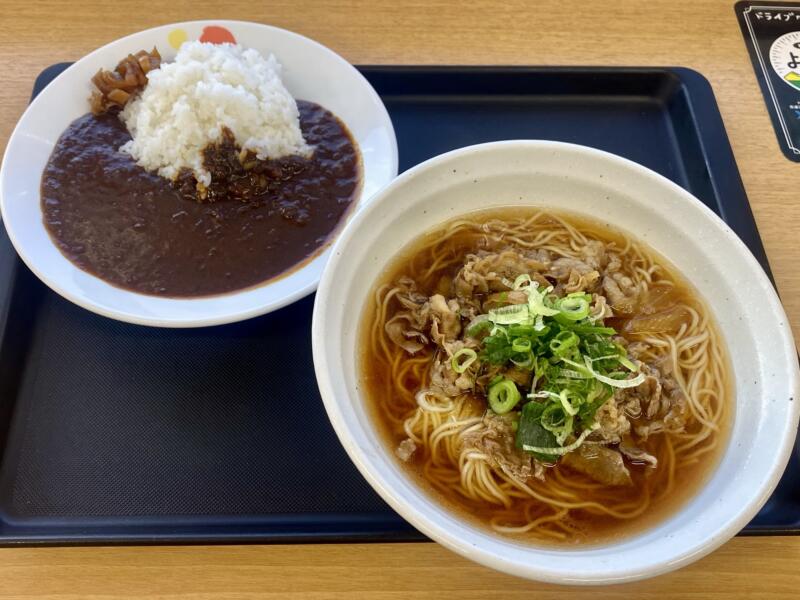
(415, 261)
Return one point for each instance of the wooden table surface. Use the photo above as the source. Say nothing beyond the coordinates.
(701, 34)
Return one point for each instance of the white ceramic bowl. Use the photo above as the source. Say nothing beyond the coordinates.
(310, 72)
(635, 199)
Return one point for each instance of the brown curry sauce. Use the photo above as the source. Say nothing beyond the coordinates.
(141, 232)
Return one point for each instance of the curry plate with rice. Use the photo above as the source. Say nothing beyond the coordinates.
(197, 177)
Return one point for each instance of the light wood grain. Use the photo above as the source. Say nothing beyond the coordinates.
(744, 568)
(703, 35)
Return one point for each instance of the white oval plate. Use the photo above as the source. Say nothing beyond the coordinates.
(636, 200)
(310, 72)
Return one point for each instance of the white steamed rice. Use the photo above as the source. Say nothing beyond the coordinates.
(210, 86)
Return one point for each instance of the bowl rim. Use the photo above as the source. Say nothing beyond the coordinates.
(227, 315)
(426, 524)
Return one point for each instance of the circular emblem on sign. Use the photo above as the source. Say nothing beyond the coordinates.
(784, 55)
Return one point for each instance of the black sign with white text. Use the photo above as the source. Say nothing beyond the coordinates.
(772, 33)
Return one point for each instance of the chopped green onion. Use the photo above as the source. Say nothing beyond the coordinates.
(579, 368)
(503, 396)
(539, 369)
(498, 329)
(617, 383)
(521, 345)
(558, 423)
(628, 364)
(581, 329)
(604, 357)
(571, 374)
(536, 305)
(584, 295)
(574, 308)
(532, 433)
(594, 393)
(521, 281)
(495, 379)
(566, 404)
(561, 451)
(524, 364)
(510, 315)
(564, 343)
(478, 325)
(459, 366)
(544, 394)
(573, 361)
(516, 331)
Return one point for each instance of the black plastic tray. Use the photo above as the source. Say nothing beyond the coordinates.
(114, 433)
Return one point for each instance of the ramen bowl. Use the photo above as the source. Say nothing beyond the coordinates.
(635, 200)
(310, 72)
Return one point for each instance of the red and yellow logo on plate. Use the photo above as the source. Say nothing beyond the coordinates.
(215, 34)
